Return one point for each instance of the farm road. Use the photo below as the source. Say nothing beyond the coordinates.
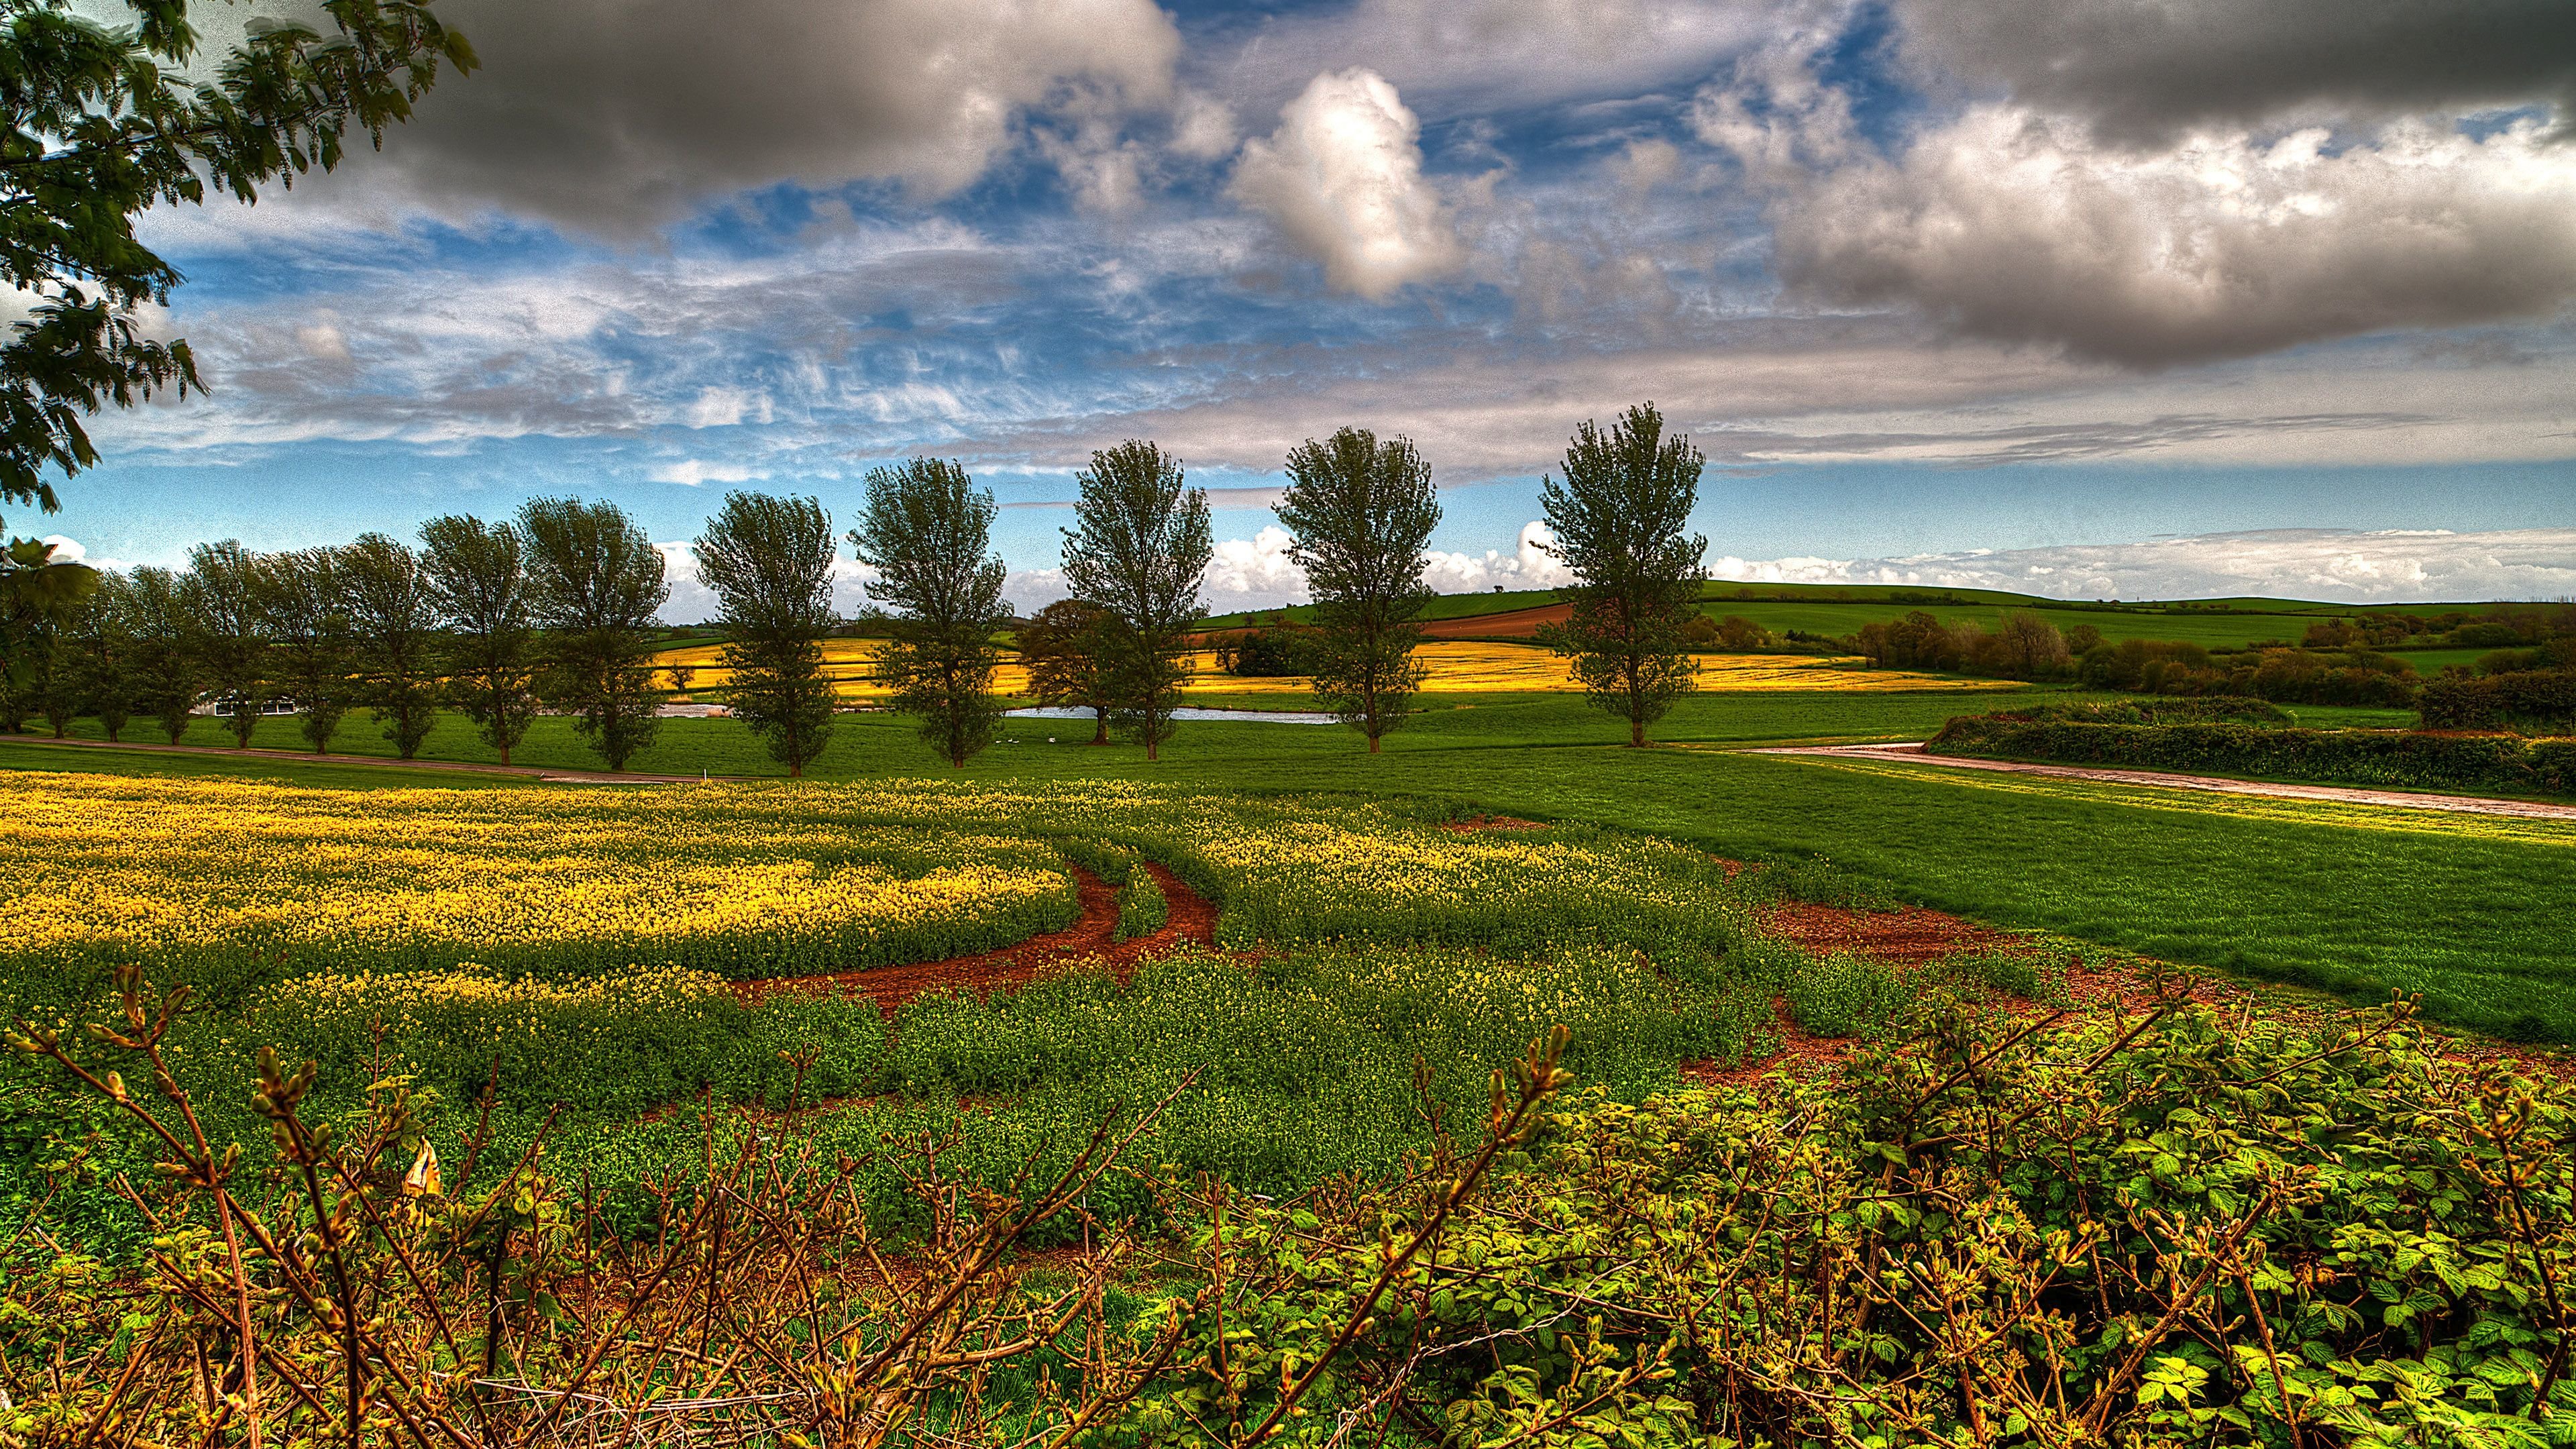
(541, 773)
(2338, 794)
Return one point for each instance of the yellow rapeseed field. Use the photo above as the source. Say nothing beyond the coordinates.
(403, 879)
(1457, 666)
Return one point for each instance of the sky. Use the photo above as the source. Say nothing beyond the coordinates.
(2088, 298)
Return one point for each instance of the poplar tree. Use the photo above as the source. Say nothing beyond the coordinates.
(928, 532)
(1618, 517)
(478, 578)
(393, 625)
(597, 582)
(1360, 513)
(221, 592)
(769, 561)
(1140, 543)
(308, 621)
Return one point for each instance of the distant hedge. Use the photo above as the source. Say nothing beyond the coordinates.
(2523, 699)
(2403, 760)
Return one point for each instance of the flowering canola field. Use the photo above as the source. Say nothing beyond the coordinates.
(1457, 666)
(230, 880)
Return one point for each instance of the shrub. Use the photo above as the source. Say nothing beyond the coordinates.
(2534, 700)
(1142, 910)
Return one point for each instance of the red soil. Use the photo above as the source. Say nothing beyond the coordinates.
(1089, 942)
(1511, 624)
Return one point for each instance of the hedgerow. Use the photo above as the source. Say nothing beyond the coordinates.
(2402, 759)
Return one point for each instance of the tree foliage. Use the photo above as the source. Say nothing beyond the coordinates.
(597, 582)
(769, 561)
(308, 620)
(1061, 649)
(102, 123)
(1361, 512)
(1139, 544)
(393, 616)
(928, 532)
(222, 592)
(478, 577)
(167, 671)
(1618, 517)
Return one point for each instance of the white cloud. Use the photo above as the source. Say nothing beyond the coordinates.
(1253, 572)
(1342, 179)
(2341, 565)
(691, 472)
(1528, 566)
(724, 407)
(1202, 126)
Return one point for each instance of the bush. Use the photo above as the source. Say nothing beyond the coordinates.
(2534, 700)
(2404, 760)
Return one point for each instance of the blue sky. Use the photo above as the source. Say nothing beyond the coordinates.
(2080, 296)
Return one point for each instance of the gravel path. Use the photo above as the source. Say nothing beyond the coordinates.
(2338, 794)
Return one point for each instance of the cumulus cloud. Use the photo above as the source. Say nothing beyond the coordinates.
(616, 116)
(2015, 224)
(2156, 70)
(1529, 565)
(2342, 565)
(1342, 179)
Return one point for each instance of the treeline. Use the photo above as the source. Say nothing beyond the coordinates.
(2395, 758)
(555, 610)
(552, 610)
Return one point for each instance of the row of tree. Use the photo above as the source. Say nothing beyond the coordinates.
(556, 609)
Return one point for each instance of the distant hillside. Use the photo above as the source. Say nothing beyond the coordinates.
(1839, 609)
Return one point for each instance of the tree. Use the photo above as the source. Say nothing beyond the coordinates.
(303, 595)
(1137, 548)
(928, 532)
(222, 590)
(1061, 649)
(1618, 517)
(103, 122)
(1361, 512)
(393, 630)
(39, 594)
(103, 654)
(478, 578)
(769, 561)
(597, 581)
(163, 632)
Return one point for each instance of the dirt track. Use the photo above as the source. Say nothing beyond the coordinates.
(1089, 941)
(2165, 779)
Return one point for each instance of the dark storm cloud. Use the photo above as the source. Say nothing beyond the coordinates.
(616, 116)
(2147, 70)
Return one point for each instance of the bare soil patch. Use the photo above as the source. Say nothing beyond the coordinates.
(1090, 942)
(1510, 624)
